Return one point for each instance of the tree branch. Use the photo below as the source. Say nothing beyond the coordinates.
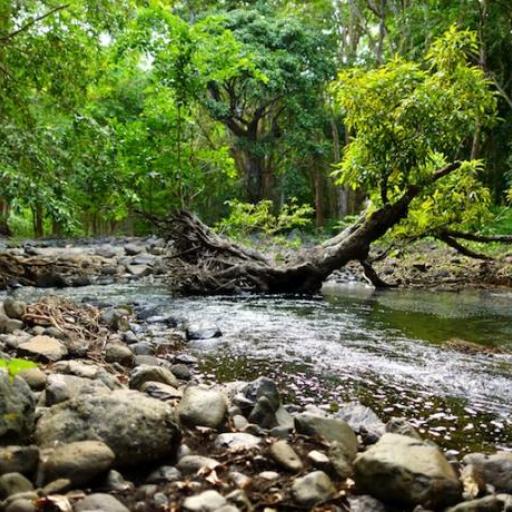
(448, 240)
(8, 37)
(507, 239)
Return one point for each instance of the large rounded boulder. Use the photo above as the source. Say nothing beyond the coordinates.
(136, 427)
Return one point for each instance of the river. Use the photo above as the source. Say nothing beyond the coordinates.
(385, 349)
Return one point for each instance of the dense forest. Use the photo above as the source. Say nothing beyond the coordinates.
(115, 110)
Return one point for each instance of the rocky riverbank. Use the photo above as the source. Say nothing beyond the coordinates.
(116, 416)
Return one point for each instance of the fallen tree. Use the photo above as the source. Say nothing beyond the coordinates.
(205, 263)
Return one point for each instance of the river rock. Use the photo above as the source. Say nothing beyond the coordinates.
(404, 471)
(330, 429)
(262, 387)
(99, 501)
(207, 501)
(362, 420)
(133, 249)
(181, 371)
(119, 353)
(164, 474)
(286, 456)
(18, 459)
(87, 370)
(34, 377)
(237, 441)
(63, 387)
(365, 503)
(486, 504)
(21, 505)
(193, 463)
(339, 460)
(43, 348)
(403, 427)
(161, 391)
(146, 373)
(201, 406)
(80, 462)
(495, 469)
(17, 409)
(313, 489)
(202, 331)
(137, 428)
(9, 325)
(14, 483)
(14, 308)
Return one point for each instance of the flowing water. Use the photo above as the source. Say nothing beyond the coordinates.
(385, 349)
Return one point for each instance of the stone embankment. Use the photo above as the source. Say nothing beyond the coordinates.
(116, 416)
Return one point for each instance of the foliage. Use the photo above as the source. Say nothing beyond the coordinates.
(15, 366)
(411, 119)
(245, 219)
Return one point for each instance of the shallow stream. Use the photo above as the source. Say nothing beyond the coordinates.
(385, 349)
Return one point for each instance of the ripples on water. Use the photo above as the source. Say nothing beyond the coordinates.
(385, 348)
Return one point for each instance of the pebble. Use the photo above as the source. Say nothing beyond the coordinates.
(207, 501)
(313, 489)
(286, 456)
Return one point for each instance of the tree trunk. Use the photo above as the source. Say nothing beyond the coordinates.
(205, 263)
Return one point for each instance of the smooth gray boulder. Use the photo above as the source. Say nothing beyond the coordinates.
(14, 483)
(137, 428)
(331, 429)
(17, 409)
(404, 471)
(14, 308)
(313, 489)
(79, 462)
(201, 406)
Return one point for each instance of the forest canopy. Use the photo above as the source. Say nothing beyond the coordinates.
(112, 111)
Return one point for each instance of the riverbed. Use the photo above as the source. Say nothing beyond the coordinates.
(385, 349)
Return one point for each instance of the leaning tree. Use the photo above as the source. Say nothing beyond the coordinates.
(412, 126)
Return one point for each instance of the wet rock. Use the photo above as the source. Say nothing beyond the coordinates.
(17, 409)
(34, 377)
(313, 489)
(190, 464)
(164, 474)
(403, 427)
(487, 504)
(18, 459)
(286, 456)
(99, 501)
(137, 428)
(130, 337)
(237, 441)
(207, 501)
(138, 270)
(14, 483)
(14, 308)
(146, 373)
(404, 471)
(80, 462)
(63, 387)
(330, 429)
(202, 331)
(362, 420)
(188, 359)
(365, 503)
(116, 319)
(118, 353)
(263, 413)
(168, 320)
(115, 482)
(9, 325)
(201, 406)
(495, 469)
(43, 348)
(106, 251)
